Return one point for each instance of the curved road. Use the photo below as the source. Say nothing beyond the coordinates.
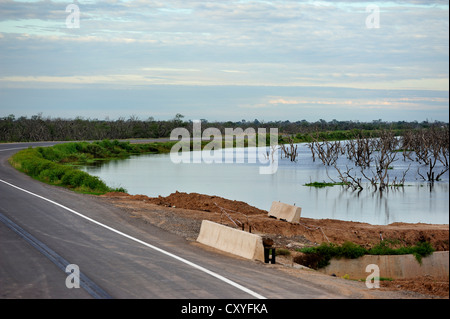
(45, 228)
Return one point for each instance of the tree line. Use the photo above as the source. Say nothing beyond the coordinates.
(39, 128)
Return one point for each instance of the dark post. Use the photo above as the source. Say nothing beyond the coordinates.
(269, 257)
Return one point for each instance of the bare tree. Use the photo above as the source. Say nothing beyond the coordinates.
(349, 179)
(430, 147)
(328, 152)
(291, 150)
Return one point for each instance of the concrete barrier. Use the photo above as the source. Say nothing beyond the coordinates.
(231, 240)
(284, 211)
(392, 266)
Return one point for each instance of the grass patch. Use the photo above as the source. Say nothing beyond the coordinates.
(323, 184)
(320, 256)
(33, 163)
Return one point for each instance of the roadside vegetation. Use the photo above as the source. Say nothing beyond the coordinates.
(320, 256)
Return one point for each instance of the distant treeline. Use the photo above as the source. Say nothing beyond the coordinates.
(39, 128)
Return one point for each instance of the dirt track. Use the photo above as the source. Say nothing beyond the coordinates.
(182, 213)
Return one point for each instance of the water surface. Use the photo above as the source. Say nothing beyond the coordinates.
(155, 175)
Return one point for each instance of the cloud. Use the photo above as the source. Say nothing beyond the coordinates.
(240, 44)
(391, 103)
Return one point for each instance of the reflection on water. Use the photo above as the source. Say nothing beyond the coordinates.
(155, 175)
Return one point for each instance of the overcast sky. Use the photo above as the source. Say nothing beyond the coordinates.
(226, 60)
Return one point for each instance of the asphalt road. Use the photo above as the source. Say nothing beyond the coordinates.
(44, 228)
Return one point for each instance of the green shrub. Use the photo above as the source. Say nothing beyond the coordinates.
(67, 178)
(56, 173)
(77, 178)
(95, 183)
(96, 150)
(350, 250)
(421, 249)
(119, 190)
(320, 256)
(31, 162)
(106, 144)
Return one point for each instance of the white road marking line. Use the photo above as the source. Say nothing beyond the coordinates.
(209, 272)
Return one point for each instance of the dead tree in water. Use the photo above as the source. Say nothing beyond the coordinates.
(429, 147)
(386, 155)
(360, 151)
(312, 147)
(351, 181)
(291, 150)
(375, 156)
(327, 152)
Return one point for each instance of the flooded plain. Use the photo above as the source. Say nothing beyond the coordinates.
(416, 202)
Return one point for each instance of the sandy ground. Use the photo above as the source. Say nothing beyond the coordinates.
(182, 213)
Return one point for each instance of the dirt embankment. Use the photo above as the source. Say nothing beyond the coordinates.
(182, 213)
(308, 231)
